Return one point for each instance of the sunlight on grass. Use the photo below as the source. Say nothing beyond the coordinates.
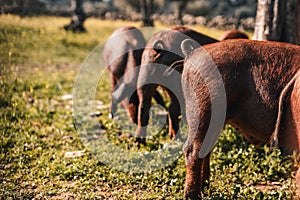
(43, 40)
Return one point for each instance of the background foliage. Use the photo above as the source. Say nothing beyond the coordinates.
(207, 8)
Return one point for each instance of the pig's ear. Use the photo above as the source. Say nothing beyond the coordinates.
(187, 46)
(158, 46)
(120, 93)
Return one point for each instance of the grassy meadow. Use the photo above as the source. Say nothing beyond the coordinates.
(38, 65)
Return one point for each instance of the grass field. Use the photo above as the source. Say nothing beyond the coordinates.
(39, 63)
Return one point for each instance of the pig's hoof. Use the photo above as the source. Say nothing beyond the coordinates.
(192, 197)
(139, 141)
(191, 194)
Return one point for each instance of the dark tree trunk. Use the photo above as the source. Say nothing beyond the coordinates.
(111, 4)
(147, 10)
(77, 19)
(298, 22)
(181, 7)
(278, 20)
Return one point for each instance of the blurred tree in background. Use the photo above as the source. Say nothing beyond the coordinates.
(147, 7)
(180, 9)
(207, 8)
(278, 20)
(171, 12)
(77, 19)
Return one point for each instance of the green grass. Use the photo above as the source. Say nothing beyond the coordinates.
(39, 62)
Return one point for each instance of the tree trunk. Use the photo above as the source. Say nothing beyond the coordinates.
(77, 19)
(298, 23)
(111, 4)
(147, 10)
(278, 20)
(181, 7)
